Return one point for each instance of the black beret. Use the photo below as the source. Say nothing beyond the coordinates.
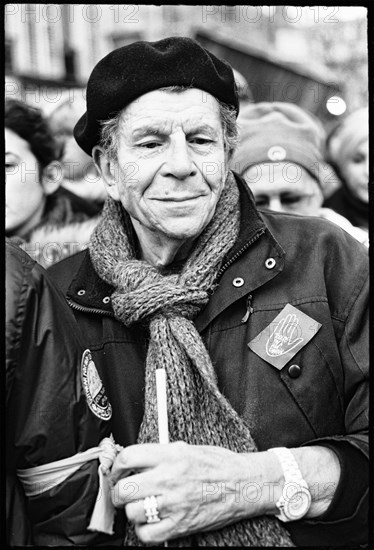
(141, 67)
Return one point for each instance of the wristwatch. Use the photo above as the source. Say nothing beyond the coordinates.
(296, 498)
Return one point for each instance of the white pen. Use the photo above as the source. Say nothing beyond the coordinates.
(162, 410)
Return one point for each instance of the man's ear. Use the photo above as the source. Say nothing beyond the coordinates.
(228, 155)
(108, 170)
(52, 176)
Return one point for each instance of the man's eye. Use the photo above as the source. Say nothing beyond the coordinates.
(201, 141)
(10, 165)
(150, 144)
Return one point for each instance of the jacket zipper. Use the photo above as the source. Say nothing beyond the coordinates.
(240, 252)
(249, 309)
(86, 309)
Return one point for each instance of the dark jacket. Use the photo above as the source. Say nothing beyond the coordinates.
(47, 417)
(349, 206)
(318, 397)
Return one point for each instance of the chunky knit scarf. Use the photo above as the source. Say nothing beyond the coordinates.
(198, 413)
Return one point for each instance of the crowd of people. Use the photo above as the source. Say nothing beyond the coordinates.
(282, 154)
(186, 313)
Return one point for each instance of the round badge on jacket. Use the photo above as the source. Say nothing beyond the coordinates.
(277, 152)
(94, 389)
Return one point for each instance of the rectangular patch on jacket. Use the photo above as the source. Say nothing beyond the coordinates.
(290, 331)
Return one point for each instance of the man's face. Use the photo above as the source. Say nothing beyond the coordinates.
(284, 187)
(24, 195)
(171, 163)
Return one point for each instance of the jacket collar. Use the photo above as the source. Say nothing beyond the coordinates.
(89, 290)
(255, 259)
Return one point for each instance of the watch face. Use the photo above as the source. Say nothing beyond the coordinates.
(296, 502)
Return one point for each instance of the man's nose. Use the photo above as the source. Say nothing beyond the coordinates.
(179, 162)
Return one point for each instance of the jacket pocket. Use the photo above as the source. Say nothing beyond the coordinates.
(315, 390)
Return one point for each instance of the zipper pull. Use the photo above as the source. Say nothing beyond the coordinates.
(249, 309)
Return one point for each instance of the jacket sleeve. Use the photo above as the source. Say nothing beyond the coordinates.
(347, 518)
(47, 414)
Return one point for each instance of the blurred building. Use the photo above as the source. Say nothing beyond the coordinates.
(63, 42)
(314, 56)
(270, 79)
(286, 53)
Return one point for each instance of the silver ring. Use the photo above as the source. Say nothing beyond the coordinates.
(151, 510)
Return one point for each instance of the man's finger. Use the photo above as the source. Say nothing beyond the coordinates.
(135, 487)
(137, 457)
(135, 511)
(156, 533)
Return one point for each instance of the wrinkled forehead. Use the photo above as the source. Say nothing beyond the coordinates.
(167, 107)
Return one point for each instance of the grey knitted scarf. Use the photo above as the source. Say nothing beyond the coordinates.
(198, 413)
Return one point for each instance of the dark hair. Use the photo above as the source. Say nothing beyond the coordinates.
(31, 125)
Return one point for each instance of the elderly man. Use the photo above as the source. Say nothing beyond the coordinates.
(257, 320)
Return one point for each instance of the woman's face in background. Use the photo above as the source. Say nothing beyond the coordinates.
(24, 194)
(355, 171)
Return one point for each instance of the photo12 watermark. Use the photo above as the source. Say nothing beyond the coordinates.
(253, 14)
(53, 13)
(252, 492)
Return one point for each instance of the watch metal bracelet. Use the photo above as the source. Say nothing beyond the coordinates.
(296, 498)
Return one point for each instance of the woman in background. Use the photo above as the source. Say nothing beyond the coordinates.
(40, 217)
(348, 153)
(280, 155)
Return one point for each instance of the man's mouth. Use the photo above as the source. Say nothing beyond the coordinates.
(179, 198)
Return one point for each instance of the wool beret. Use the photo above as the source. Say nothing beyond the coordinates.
(141, 67)
(279, 132)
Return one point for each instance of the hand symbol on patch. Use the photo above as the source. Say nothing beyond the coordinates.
(284, 339)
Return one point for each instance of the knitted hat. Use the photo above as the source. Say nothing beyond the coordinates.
(131, 71)
(278, 132)
(348, 135)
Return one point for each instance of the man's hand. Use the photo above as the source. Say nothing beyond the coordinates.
(202, 488)
(198, 488)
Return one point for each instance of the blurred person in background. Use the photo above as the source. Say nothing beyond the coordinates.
(50, 416)
(40, 217)
(348, 152)
(280, 155)
(80, 175)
